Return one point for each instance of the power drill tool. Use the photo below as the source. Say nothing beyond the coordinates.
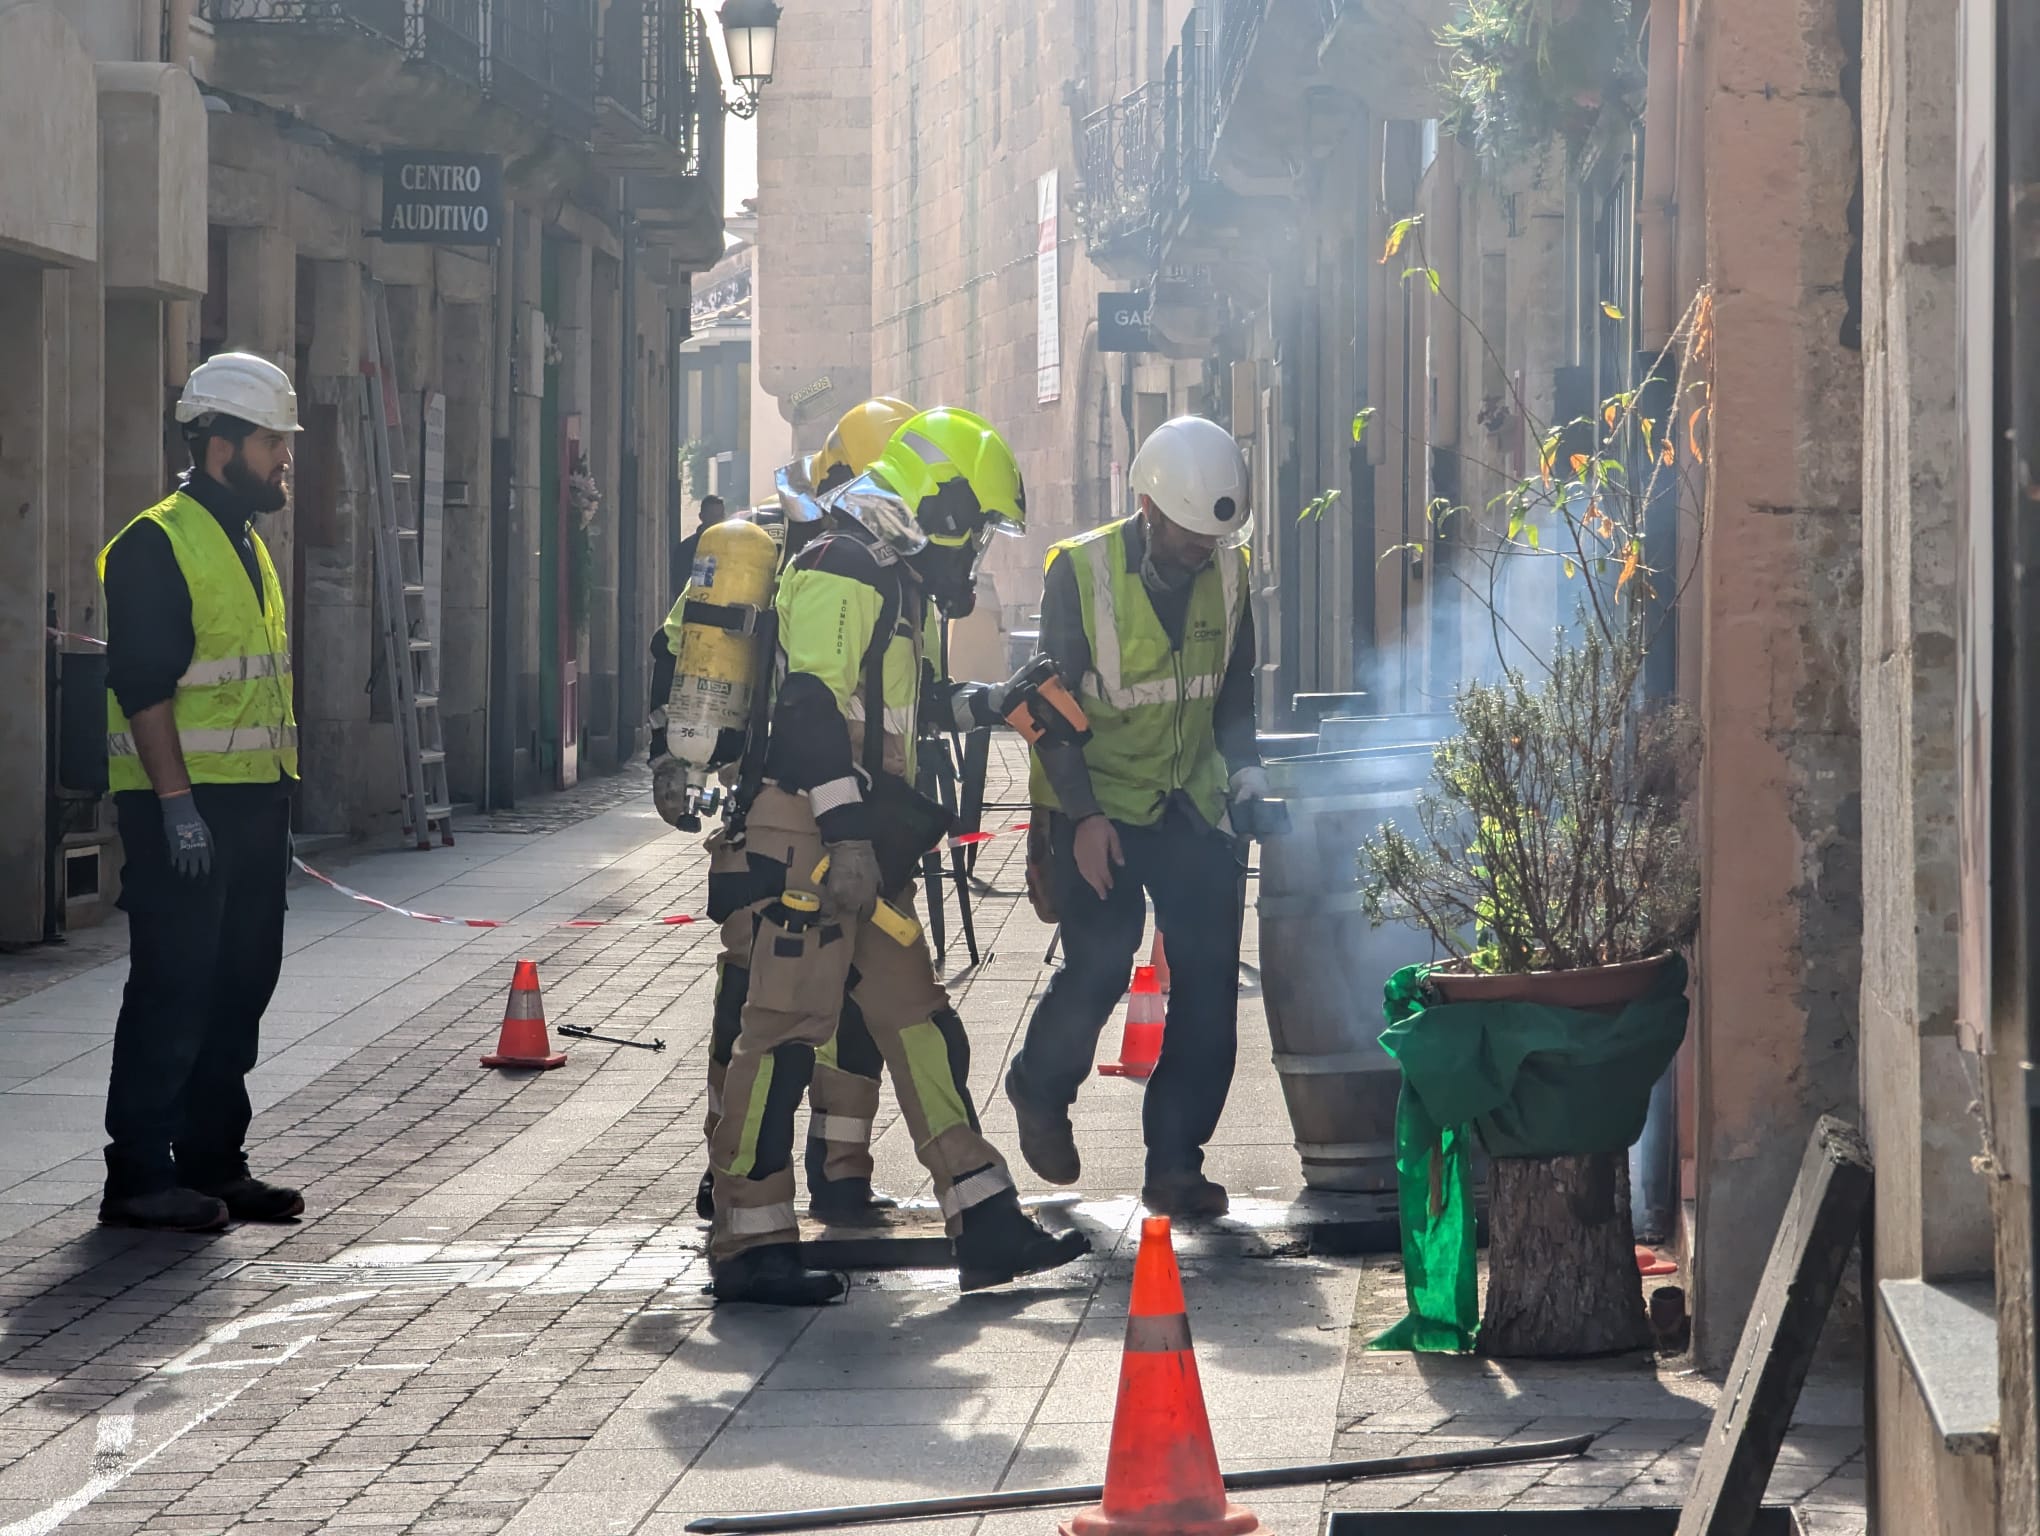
(1040, 708)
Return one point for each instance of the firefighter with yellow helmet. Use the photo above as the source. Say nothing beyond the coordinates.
(843, 1095)
(827, 827)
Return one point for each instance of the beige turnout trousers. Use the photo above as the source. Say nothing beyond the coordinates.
(799, 972)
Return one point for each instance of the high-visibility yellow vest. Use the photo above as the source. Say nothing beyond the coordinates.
(232, 705)
(1150, 705)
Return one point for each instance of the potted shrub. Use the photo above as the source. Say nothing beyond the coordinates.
(1553, 867)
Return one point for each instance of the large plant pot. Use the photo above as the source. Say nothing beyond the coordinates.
(1562, 1275)
(1596, 989)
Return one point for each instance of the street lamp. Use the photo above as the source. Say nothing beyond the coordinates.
(750, 36)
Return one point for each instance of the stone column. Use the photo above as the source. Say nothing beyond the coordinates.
(134, 406)
(467, 347)
(338, 756)
(1780, 811)
(24, 516)
(528, 371)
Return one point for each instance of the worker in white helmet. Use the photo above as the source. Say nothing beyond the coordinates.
(1148, 621)
(202, 759)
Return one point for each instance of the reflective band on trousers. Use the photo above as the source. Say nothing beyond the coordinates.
(986, 1184)
(241, 738)
(752, 1220)
(841, 1128)
(824, 798)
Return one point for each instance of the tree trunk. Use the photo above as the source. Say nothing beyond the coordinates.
(1562, 1276)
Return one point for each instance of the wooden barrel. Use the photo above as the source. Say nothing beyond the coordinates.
(1323, 963)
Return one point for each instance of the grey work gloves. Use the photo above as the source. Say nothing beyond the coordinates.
(188, 837)
(850, 888)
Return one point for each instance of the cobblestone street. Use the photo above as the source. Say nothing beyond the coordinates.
(492, 1318)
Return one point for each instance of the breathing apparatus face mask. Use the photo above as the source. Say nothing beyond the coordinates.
(949, 573)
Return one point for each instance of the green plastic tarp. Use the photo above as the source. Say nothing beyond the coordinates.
(1533, 1081)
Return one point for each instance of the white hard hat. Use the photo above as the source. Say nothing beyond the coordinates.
(1191, 468)
(243, 385)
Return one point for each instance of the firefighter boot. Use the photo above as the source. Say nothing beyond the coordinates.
(842, 1202)
(704, 1197)
(1001, 1242)
(773, 1276)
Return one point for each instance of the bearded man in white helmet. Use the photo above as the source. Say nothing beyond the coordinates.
(1148, 621)
(202, 759)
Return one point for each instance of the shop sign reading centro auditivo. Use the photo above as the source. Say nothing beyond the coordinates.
(432, 198)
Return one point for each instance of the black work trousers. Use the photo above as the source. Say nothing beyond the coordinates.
(1193, 875)
(203, 958)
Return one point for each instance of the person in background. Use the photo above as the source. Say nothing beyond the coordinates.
(707, 516)
(202, 758)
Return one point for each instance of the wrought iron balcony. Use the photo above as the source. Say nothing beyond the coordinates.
(535, 55)
(1120, 149)
(652, 52)
(541, 59)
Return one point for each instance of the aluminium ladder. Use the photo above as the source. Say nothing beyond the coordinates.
(409, 658)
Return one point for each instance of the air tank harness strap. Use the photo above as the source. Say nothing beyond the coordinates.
(736, 618)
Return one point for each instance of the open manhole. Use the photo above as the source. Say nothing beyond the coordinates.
(277, 1273)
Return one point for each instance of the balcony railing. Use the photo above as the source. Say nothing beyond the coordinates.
(536, 55)
(1120, 146)
(651, 68)
(542, 57)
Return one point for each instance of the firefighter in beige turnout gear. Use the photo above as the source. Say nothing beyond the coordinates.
(850, 613)
(843, 1097)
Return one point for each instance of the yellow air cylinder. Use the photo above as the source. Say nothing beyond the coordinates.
(735, 566)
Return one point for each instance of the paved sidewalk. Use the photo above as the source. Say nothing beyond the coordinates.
(493, 1320)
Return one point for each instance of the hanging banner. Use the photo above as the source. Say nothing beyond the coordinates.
(1048, 296)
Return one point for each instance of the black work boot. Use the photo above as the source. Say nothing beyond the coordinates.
(249, 1199)
(704, 1197)
(1001, 1242)
(167, 1210)
(774, 1276)
(1184, 1196)
(1048, 1142)
(848, 1202)
(842, 1202)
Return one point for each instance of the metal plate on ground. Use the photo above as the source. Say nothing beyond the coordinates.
(1774, 1520)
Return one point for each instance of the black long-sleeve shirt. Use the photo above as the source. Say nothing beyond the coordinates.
(149, 635)
(1063, 638)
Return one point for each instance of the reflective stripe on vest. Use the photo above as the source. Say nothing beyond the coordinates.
(232, 707)
(1150, 704)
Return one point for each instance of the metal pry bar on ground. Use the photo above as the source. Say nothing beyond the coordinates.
(1044, 1498)
(588, 1034)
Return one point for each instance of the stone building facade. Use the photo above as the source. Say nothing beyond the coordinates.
(213, 181)
(811, 283)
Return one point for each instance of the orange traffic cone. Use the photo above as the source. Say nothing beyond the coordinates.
(1140, 1046)
(1161, 1475)
(1159, 959)
(523, 1042)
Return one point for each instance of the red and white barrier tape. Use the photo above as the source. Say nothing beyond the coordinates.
(672, 920)
(65, 634)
